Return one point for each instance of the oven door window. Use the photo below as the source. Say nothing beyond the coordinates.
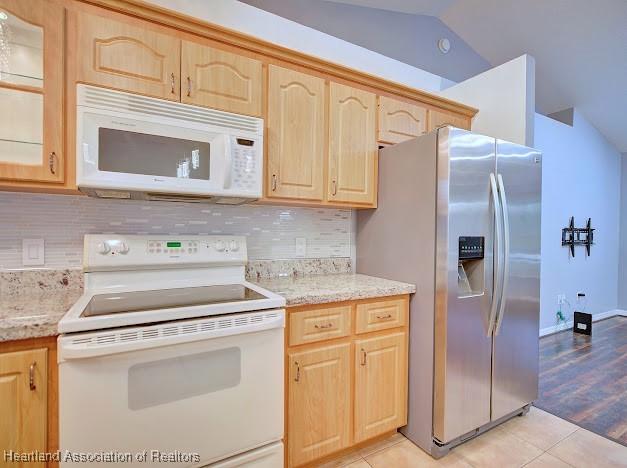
(168, 380)
(129, 152)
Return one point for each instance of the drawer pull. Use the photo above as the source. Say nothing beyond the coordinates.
(297, 378)
(52, 162)
(31, 377)
(334, 189)
(273, 182)
(189, 86)
(383, 317)
(320, 327)
(363, 356)
(172, 83)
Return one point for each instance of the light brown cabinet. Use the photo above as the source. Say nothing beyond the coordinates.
(220, 79)
(380, 385)
(130, 57)
(400, 121)
(23, 405)
(31, 93)
(352, 145)
(296, 135)
(437, 119)
(346, 382)
(319, 402)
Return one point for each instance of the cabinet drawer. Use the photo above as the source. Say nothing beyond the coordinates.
(381, 315)
(309, 326)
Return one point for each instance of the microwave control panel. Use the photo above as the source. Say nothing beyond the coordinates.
(245, 160)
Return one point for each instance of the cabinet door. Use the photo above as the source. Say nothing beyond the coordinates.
(353, 146)
(130, 57)
(380, 385)
(31, 91)
(400, 121)
(319, 402)
(221, 80)
(296, 126)
(437, 119)
(23, 390)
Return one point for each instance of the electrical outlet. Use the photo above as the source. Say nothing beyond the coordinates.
(301, 246)
(581, 295)
(33, 253)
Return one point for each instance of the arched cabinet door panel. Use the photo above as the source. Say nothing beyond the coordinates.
(296, 135)
(400, 121)
(352, 145)
(129, 57)
(221, 80)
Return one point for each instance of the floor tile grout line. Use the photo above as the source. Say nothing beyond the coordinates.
(385, 448)
(563, 439)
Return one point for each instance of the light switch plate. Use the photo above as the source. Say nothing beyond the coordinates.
(33, 253)
(301, 246)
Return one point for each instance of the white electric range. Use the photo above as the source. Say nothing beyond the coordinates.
(171, 355)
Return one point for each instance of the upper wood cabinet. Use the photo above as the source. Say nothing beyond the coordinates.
(23, 392)
(219, 79)
(296, 135)
(319, 404)
(400, 121)
(380, 385)
(352, 145)
(31, 92)
(130, 57)
(437, 119)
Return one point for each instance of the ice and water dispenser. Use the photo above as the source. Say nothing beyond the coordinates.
(470, 269)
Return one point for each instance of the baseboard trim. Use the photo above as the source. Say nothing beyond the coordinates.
(595, 318)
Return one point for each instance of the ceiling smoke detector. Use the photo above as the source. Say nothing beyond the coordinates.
(444, 45)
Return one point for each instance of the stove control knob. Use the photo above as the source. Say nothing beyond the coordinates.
(123, 248)
(233, 245)
(104, 248)
(219, 246)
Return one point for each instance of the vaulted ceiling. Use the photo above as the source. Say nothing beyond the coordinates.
(580, 47)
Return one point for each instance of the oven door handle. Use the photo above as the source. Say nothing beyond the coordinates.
(123, 340)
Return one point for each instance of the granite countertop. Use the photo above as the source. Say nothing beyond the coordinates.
(35, 314)
(319, 289)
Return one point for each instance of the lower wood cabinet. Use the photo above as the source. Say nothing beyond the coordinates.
(380, 385)
(319, 402)
(23, 393)
(345, 384)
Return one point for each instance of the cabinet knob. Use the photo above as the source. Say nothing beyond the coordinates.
(52, 163)
(31, 377)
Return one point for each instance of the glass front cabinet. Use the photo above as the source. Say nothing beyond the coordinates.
(31, 91)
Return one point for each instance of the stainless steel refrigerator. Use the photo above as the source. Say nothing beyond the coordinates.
(459, 216)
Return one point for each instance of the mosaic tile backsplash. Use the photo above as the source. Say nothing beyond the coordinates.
(62, 220)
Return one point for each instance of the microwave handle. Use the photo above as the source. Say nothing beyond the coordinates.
(228, 161)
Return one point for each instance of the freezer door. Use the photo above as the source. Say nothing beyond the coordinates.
(462, 342)
(515, 359)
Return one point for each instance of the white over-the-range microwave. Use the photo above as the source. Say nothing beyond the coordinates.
(137, 147)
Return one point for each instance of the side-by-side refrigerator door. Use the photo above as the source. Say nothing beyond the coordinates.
(464, 276)
(515, 359)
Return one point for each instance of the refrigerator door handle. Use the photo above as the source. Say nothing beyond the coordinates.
(497, 257)
(506, 243)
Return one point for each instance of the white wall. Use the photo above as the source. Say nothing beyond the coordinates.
(505, 97)
(270, 27)
(622, 276)
(580, 178)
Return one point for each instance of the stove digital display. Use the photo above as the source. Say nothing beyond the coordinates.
(173, 244)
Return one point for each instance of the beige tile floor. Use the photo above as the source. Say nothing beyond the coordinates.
(537, 440)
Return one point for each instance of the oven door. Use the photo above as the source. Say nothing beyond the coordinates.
(116, 151)
(195, 391)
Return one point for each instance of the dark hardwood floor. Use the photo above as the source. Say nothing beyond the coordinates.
(584, 378)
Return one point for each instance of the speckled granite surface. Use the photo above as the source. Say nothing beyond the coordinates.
(319, 289)
(33, 301)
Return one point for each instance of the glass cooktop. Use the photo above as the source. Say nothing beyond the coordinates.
(143, 301)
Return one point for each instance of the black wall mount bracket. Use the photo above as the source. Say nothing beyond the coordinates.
(572, 236)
